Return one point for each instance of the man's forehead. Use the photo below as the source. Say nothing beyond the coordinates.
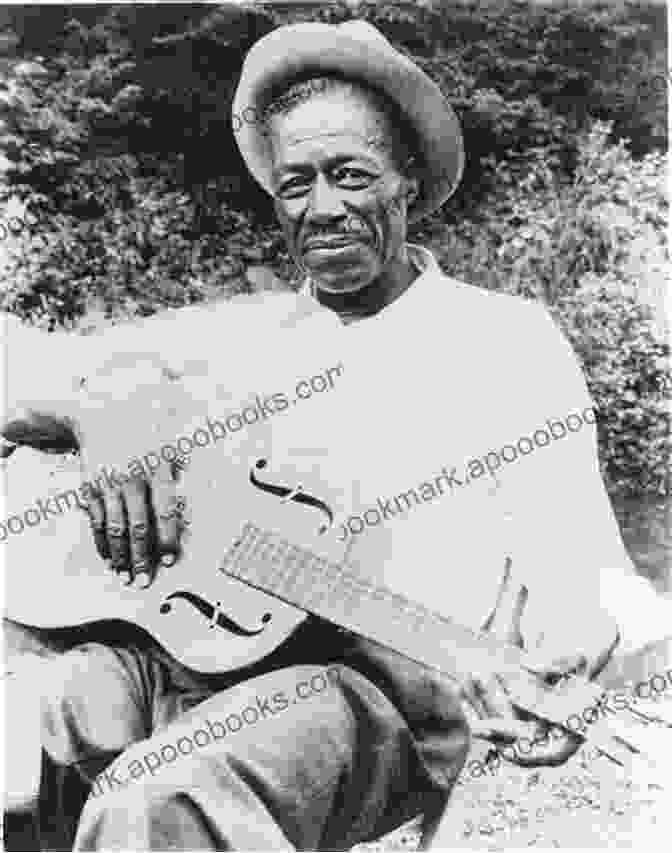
(330, 116)
(332, 139)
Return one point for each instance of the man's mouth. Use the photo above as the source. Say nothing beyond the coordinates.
(330, 243)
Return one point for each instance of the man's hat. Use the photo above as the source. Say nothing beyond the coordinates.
(357, 51)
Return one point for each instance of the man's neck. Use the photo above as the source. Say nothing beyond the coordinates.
(374, 297)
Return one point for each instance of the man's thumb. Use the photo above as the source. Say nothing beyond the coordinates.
(39, 430)
(6, 450)
(507, 729)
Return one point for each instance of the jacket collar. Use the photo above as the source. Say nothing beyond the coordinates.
(423, 261)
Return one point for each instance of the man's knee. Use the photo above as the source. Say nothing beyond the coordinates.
(70, 677)
(20, 639)
(90, 704)
(195, 810)
(263, 724)
(276, 701)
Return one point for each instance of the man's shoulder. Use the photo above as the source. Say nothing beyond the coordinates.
(510, 343)
(489, 305)
(478, 315)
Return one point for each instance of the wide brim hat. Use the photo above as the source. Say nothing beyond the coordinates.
(357, 51)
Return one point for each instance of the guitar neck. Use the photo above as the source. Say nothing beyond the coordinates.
(266, 561)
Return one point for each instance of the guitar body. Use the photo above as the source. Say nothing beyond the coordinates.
(63, 582)
(208, 621)
(204, 618)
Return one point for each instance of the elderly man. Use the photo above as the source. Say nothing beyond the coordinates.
(353, 141)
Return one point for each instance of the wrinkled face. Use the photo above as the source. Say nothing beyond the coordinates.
(339, 196)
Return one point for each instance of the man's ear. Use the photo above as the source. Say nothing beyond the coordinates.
(412, 190)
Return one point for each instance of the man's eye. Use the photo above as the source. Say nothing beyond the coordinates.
(354, 178)
(294, 187)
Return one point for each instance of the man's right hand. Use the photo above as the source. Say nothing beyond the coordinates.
(136, 526)
(493, 715)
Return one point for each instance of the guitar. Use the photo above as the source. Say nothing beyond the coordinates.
(243, 585)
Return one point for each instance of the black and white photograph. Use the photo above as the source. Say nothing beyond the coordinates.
(335, 425)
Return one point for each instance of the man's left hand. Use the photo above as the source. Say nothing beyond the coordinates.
(523, 738)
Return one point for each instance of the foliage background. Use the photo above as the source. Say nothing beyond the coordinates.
(116, 138)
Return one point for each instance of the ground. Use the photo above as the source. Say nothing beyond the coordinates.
(587, 803)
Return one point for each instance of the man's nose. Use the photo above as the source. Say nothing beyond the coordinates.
(326, 204)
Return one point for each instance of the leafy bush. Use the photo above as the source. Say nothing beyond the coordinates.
(130, 261)
(548, 230)
(628, 373)
(109, 141)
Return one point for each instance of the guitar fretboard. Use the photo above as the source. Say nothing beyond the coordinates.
(337, 593)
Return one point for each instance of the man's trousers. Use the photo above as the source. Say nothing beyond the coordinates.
(304, 757)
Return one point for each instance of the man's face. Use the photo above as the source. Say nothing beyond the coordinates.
(339, 196)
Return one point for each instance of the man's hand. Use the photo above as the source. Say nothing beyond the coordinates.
(136, 526)
(520, 737)
(39, 430)
(493, 715)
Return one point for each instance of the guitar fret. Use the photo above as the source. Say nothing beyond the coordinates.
(422, 618)
(277, 568)
(254, 543)
(319, 591)
(242, 545)
(328, 587)
(286, 568)
(320, 597)
(263, 556)
(289, 580)
(253, 535)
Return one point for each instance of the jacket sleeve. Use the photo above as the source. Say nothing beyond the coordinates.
(583, 586)
(39, 368)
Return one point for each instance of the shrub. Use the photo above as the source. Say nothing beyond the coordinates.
(628, 373)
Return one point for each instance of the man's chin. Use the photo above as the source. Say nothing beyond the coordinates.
(348, 279)
(341, 272)
(338, 286)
